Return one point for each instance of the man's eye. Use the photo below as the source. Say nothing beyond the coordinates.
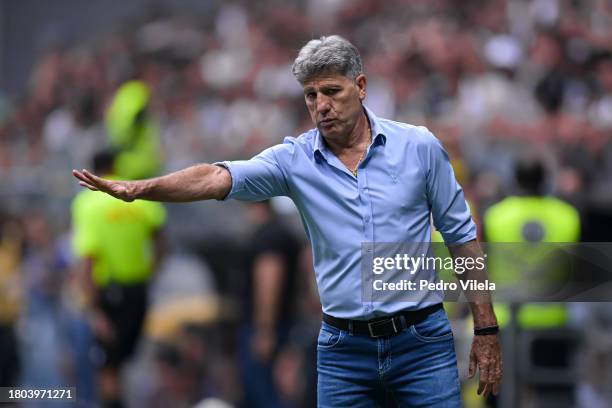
(311, 95)
(331, 91)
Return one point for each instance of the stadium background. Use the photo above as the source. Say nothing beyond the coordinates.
(495, 80)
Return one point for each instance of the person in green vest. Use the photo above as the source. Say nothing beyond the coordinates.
(132, 133)
(530, 218)
(520, 230)
(118, 244)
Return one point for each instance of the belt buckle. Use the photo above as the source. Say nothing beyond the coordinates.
(371, 326)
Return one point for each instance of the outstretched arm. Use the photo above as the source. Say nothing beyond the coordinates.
(199, 182)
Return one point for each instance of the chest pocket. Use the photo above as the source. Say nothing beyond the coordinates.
(402, 193)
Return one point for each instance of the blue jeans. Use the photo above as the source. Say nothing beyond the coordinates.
(416, 367)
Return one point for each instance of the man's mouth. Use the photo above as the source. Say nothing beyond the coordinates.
(327, 122)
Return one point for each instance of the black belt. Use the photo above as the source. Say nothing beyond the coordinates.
(382, 326)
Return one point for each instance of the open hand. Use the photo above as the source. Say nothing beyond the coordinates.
(486, 355)
(122, 190)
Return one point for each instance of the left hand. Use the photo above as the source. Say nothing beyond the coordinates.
(486, 355)
(263, 345)
(102, 327)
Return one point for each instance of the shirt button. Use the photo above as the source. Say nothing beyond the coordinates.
(367, 218)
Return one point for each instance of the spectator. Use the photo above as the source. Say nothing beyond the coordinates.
(117, 244)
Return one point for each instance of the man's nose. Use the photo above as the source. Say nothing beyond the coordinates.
(323, 104)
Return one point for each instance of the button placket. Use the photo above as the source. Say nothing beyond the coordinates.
(368, 224)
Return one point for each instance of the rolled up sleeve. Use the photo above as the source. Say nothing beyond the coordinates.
(449, 209)
(259, 178)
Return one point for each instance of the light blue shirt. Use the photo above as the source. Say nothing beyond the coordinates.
(404, 179)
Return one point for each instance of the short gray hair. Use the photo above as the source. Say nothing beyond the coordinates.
(327, 54)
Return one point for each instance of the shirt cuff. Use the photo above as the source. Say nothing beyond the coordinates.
(458, 239)
(237, 181)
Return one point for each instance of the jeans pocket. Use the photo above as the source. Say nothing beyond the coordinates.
(329, 337)
(435, 327)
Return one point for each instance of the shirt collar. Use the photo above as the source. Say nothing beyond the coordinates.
(379, 137)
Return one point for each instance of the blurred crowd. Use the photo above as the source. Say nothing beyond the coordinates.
(495, 80)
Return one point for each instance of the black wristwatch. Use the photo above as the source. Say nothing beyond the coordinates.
(487, 330)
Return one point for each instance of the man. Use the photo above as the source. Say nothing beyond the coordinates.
(531, 218)
(133, 133)
(270, 303)
(356, 178)
(118, 245)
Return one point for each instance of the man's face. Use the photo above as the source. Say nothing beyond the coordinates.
(334, 103)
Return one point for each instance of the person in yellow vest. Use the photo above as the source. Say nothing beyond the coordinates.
(531, 218)
(525, 222)
(133, 133)
(117, 244)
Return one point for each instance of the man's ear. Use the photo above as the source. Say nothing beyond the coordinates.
(361, 82)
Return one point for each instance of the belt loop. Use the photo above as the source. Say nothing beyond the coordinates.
(403, 320)
(350, 327)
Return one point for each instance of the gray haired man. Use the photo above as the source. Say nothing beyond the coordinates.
(357, 178)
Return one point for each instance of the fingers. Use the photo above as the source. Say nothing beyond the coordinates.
(92, 176)
(84, 182)
(89, 180)
(78, 175)
(486, 357)
(94, 180)
(484, 378)
(481, 387)
(490, 378)
(82, 177)
(92, 188)
(495, 388)
(497, 377)
(116, 189)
